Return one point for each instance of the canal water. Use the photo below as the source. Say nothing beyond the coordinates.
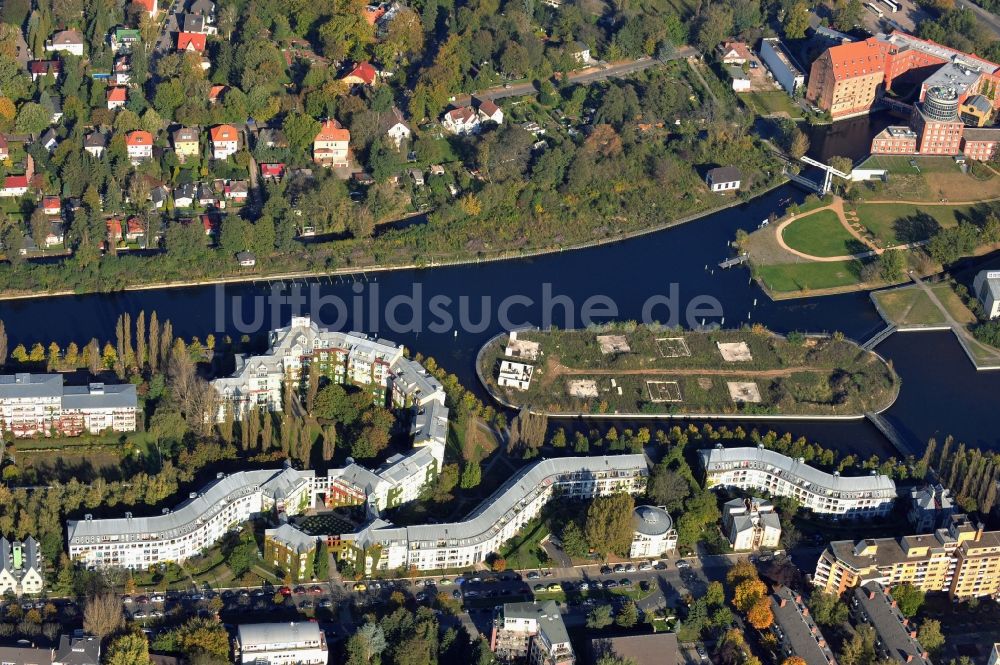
(941, 393)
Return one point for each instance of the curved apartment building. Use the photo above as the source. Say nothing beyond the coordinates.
(758, 469)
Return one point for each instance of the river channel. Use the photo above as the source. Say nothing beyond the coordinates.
(941, 393)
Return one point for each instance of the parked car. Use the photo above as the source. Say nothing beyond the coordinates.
(619, 568)
(681, 563)
(531, 576)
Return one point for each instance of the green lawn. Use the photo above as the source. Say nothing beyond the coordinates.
(900, 164)
(524, 551)
(790, 277)
(909, 306)
(772, 101)
(898, 223)
(820, 234)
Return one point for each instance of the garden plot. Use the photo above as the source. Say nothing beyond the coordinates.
(744, 392)
(582, 388)
(664, 391)
(613, 344)
(735, 352)
(672, 347)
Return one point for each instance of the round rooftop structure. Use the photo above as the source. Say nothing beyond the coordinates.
(941, 103)
(651, 520)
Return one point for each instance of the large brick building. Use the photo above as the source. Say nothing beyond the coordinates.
(849, 79)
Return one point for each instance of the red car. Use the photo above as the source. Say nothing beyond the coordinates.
(285, 591)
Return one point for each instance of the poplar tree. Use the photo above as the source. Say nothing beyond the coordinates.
(140, 340)
(154, 342)
(3, 344)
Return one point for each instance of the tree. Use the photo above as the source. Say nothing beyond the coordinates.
(365, 646)
(471, 475)
(929, 635)
(628, 615)
(608, 528)
(827, 608)
(32, 118)
(667, 487)
(197, 638)
(599, 617)
(131, 648)
(334, 403)
(747, 593)
(321, 562)
(573, 541)
(797, 21)
(860, 649)
(760, 615)
(102, 615)
(908, 598)
(716, 24)
(794, 660)
(848, 15)
(891, 265)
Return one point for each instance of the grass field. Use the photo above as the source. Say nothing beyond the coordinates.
(771, 101)
(791, 277)
(900, 164)
(909, 307)
(946, 294)
(820, 234)
(898, 223)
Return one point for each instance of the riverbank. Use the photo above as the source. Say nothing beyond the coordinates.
(245, 277)
(634, 371)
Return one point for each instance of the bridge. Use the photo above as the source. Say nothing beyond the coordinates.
(889, 432)
(828, 173)
(879, 337)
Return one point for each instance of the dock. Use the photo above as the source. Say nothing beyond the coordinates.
(735, 261)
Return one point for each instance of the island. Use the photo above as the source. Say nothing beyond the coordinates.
(627, 369)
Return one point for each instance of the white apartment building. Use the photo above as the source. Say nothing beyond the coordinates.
(281, 644)
(383, 546)
(225, 504)
(751, 524)
(987, 288)
(533, 632)
(398, 481)
(21, 570)
(757, 469)
(38, 404)
(653, 533)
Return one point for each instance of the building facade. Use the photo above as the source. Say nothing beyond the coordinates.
(961, 560)
(751, 524)
(795, 631)
(531, 632)
(21, 568)
(987, 288)
(757, 469)
(930, 508)
(782, 66)
(39, 404)
(222, 506)
(382, 546)
(281, 644)
(331, 145)
(653, 533)
(896, 635)
(290, 550)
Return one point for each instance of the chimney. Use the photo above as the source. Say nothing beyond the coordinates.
(906, 622)
(871, 594)
(798, 598)
(892, 603)
(909, 658)
(782, 604)
(979, 531)
(821, 643)
(805, 611)
(913, 634)
(924, 654)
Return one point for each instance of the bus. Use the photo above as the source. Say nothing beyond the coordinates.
(874, 10)
(892, 5)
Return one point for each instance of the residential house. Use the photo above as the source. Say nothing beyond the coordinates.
(184, 195)
(51, 205)
(117, 97)
(930, 508)
(26, 656)
(191, 41)
(13, 186)
(272, 172)
(740, 79)
(38, 404)
(66, 41)
(272, 138)
(533, 632)
(96, 143)
(653, 649)
(4, 147)
(206, 195)
(653, 533)
(216, 93)
(723, 179)
(461, 121)
(40, 68)
(150, 6)
(225, 141)
(237, 190)
(84, 650)
(581, 53)
(488, 111)
(986, 286)
(56, 235)
(362, 74)
(795, 631)
(331, 145)
(139, 145)
(417, 176)
(782, 66)
(122, 70)
(286, 547)
(204, 8)
(122, 39)
(734, 53)
(135, 229)
(55, 108)
(211, 225)
(300, 643)
(395, 127)
(896, 635)
(158, 197)
(48, 139)
(186, 143)
(751, 524)
(198, 24)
